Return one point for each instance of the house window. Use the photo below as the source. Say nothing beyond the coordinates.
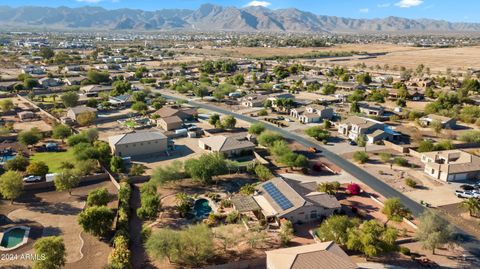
(313, 214)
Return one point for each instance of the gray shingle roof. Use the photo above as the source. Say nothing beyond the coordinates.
(136, 137)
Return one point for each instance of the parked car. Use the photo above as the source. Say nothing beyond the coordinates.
(32, 178)
(467, 194)
(352, 143)
(467, 187)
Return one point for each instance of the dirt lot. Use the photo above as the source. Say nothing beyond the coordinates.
(55, 213)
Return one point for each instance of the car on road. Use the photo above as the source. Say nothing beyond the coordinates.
(467, 194)
(32, 178)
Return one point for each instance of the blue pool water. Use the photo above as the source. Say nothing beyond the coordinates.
(5, 158)
(12, 238)
(202, 208)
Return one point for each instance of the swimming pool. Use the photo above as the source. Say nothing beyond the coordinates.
(14, 237)
(202, 208)
(5, 158)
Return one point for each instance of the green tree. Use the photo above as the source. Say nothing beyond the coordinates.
(229, 122)
(372, 239)
(120, 87)
(6, 105)
(336, 227)
(204, 168)
(354, 108)
(329, 89)
(395, 210)
(256, 129)
(30, 137)
(318, 132)
(86, 118)
(137, 169)
(436, 126)
(364, 78)
(95, 77)
(37, 168)
(329, 187)
(360, 157)
(433, 231)
(19, 163)
(61, 131)
(46, 53)
(140, 107)
(214, 119)
(268, 138)
(96, 220)
(200, 91)
(191, 247)
(53, 253)
(286, 232)
(119, 257)
(66, 180)
(98, 197)
(472, 205)
(70, 99)
(116, 164)
(150, 201)
(11, 185)
(164, 174)
(30, 83)
(386, 157)
(262, 172)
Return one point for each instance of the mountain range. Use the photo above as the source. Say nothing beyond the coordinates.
(210, 17)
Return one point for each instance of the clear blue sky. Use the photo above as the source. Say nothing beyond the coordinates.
(451, 10)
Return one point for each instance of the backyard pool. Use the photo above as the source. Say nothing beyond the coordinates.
(5, 158)
(14, 237)
(202, 208)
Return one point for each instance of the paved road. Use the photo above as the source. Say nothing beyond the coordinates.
(376, 184)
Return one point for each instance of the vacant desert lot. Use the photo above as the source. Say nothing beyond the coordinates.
(458, 59)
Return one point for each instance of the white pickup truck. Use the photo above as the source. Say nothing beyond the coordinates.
(467, 194)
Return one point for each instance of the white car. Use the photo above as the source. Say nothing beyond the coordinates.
(32, 178)
(467, 194)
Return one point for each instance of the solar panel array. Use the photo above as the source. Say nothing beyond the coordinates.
(277, 196)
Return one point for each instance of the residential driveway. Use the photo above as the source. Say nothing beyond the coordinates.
(343, 147)
(342, 178)
(437, 196)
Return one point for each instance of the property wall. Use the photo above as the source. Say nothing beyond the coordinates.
(395, 147)
(83, 180)
(244, 264)
(303, 214)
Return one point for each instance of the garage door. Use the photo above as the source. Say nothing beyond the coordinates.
(459, 177)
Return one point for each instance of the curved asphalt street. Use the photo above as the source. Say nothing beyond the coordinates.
(473, 245)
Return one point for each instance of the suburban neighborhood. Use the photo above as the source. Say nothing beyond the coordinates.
(238, 150)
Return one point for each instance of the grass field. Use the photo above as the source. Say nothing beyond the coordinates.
(54, 159)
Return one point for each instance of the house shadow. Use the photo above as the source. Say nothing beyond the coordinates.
(179, 152)
(56, 209)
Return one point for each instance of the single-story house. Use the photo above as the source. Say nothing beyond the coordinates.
(451, 165)
(49, 82)
(8, 85)
(124, 100)
(184, 113)
(71, 81)
(281, 198)
(371, 110)
(138, 144)
(73, 112)
(325, 255)
(230, 146)
(447, 123)
(26, 115)
(170, 123)
(95, 89)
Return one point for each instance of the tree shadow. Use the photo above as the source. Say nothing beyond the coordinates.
(56, 209)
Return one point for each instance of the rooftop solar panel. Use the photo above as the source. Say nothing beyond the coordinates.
(277, 196)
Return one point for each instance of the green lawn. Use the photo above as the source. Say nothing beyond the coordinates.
(54, 159)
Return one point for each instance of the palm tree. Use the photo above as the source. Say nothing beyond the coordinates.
(472, 205)
(183, 203)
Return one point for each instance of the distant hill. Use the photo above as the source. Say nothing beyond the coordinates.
(210, 17)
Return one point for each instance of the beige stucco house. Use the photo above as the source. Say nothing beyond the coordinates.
(170, 123)
(230, 146)
(451, 165)
(138, 144)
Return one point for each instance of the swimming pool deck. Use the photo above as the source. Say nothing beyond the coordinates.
(24, 241)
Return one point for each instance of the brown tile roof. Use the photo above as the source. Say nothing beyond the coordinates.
(326, 255)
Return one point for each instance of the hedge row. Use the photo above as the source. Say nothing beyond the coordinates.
(119, 257)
